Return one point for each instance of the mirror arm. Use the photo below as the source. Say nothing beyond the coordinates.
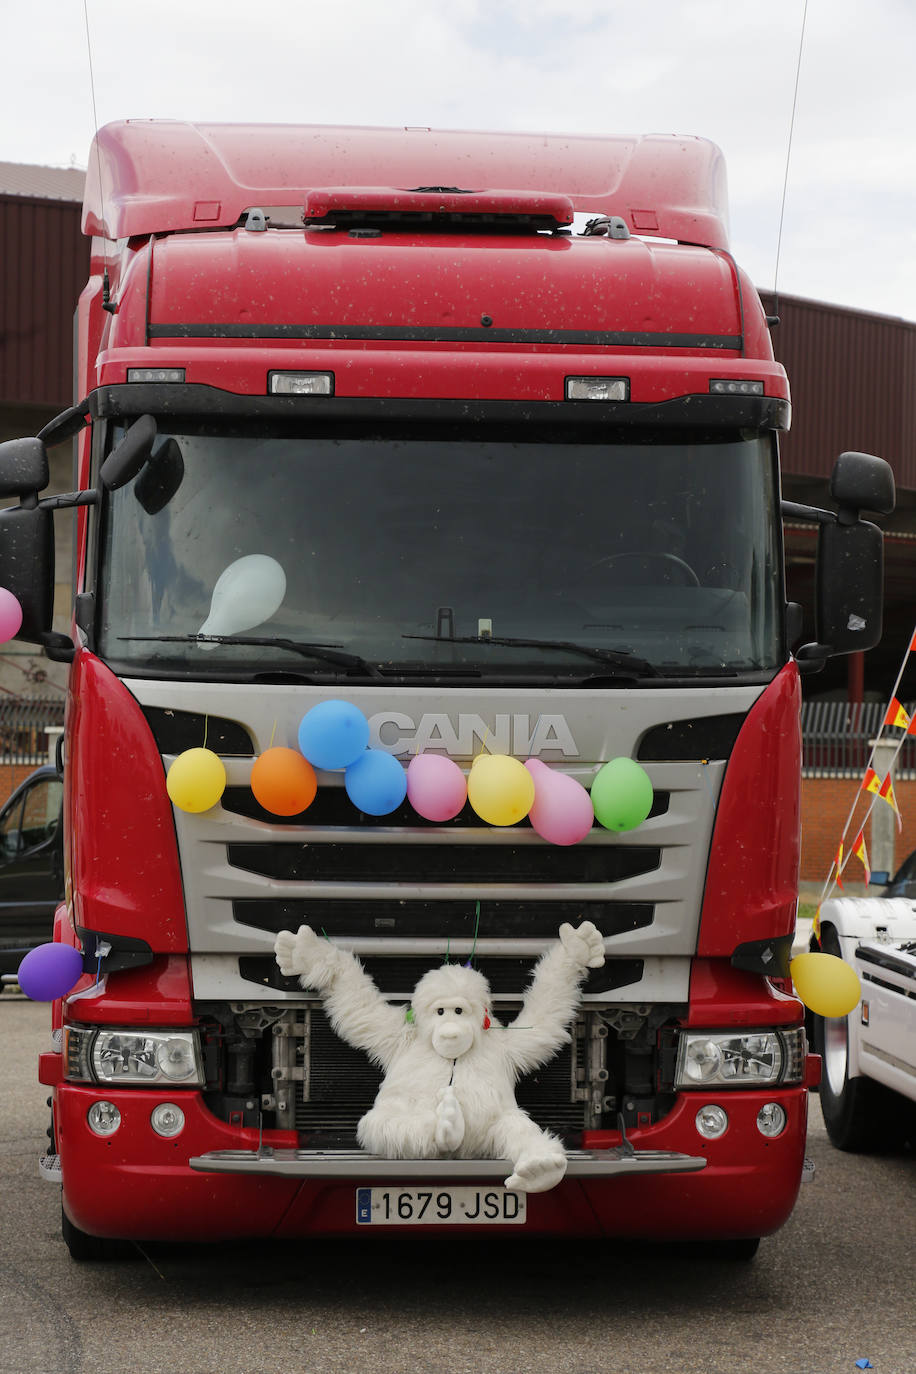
(67, 500)
(813, 514)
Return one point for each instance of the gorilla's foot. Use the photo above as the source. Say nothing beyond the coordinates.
(536, 1173)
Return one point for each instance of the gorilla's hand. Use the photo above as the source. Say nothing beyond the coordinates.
(312, 957)
(584, 944)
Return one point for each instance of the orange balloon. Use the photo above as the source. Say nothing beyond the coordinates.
(283, 781)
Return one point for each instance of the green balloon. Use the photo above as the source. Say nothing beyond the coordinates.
(621, 795)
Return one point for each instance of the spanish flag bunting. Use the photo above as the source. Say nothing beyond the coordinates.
(838, 865)
(886, 793)
(816, 925)
(913, 643)
(861, 854)
(897, 716)
(871, 782)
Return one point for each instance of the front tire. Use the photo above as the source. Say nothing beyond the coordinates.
(861, 1116)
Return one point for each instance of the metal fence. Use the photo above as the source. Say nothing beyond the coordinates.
(28, 728)
(838, 737)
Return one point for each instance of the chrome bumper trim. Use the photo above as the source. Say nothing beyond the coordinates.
(357, 1165)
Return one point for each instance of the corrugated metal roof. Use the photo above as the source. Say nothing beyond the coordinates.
(42, 183)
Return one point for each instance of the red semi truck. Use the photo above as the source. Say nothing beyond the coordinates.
(503, 410)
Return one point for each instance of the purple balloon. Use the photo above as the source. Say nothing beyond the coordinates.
(50, 971)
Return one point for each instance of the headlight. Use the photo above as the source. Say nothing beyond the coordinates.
(132, 1056)
(727, 1060)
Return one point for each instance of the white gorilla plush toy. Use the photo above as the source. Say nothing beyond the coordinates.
(450, 1067)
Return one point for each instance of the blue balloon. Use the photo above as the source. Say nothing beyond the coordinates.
(50, 971)
(333, 734)
(376, 783)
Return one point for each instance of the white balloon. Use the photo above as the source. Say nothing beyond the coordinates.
(247, 593)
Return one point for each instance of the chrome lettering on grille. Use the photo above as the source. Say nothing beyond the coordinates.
(504, 733)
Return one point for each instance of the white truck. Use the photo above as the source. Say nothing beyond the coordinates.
(868, 1085)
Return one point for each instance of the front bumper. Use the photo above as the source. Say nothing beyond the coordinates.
(218, 1181)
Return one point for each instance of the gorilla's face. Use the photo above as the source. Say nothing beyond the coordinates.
(453, 1026)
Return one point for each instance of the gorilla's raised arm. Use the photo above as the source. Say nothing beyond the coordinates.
(355, 1007)
(552, 1000)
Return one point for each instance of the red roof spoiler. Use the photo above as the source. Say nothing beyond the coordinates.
(158, 176)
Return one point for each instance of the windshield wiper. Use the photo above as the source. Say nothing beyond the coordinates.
(327, 653)
(615, 658)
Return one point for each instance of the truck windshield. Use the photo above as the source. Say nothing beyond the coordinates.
(443, 552)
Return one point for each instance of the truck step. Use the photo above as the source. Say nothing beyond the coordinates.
(49, 1168)
(357, 1164)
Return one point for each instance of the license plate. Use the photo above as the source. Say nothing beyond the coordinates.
(439, 1207)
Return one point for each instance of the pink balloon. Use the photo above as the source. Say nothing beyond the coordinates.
(10, 615)
(436, 787)
(562, 812)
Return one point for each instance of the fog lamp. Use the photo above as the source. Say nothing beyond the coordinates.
(104, 1118)
(167, 1120)
(711, 1122)
(771, 1119)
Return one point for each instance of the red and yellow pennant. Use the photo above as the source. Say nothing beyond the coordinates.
(861, 854)
(897, 716)
(871, 782)
(886, 793)
(838, 865)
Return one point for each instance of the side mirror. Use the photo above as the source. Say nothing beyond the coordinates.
(23, 467)
(860, 481)
(161, 478)
(850, 587)
(850, 559)
(127, 457)
(27, 566)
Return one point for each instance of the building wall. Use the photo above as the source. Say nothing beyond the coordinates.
(853, 384)
(826, 803)
(44, 264)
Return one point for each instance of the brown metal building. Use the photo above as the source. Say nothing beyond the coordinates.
(852, 374)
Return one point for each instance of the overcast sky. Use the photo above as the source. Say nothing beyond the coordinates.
(724, 69)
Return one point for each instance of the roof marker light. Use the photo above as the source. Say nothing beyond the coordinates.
(597, 388)
(735, 386)
(155, 374)
(300, 383)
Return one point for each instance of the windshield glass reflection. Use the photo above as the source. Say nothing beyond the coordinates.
(438, 550)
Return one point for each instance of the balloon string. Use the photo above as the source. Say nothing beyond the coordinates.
(272, 733)
(206, 728)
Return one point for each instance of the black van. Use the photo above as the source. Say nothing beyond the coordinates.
(31, 865)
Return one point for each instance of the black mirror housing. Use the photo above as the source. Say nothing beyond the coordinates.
(27, 567)
(128, 457)
(23, 467)
(860, 481)
(850, 587)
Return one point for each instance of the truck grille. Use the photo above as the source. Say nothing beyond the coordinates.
(341, 1084)
(401, 877)
(398, 975)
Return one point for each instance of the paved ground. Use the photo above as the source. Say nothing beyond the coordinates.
(835, 1285)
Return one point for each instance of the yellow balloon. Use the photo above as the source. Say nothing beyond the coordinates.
(196, 780)
(825, 984)
(500, 789)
